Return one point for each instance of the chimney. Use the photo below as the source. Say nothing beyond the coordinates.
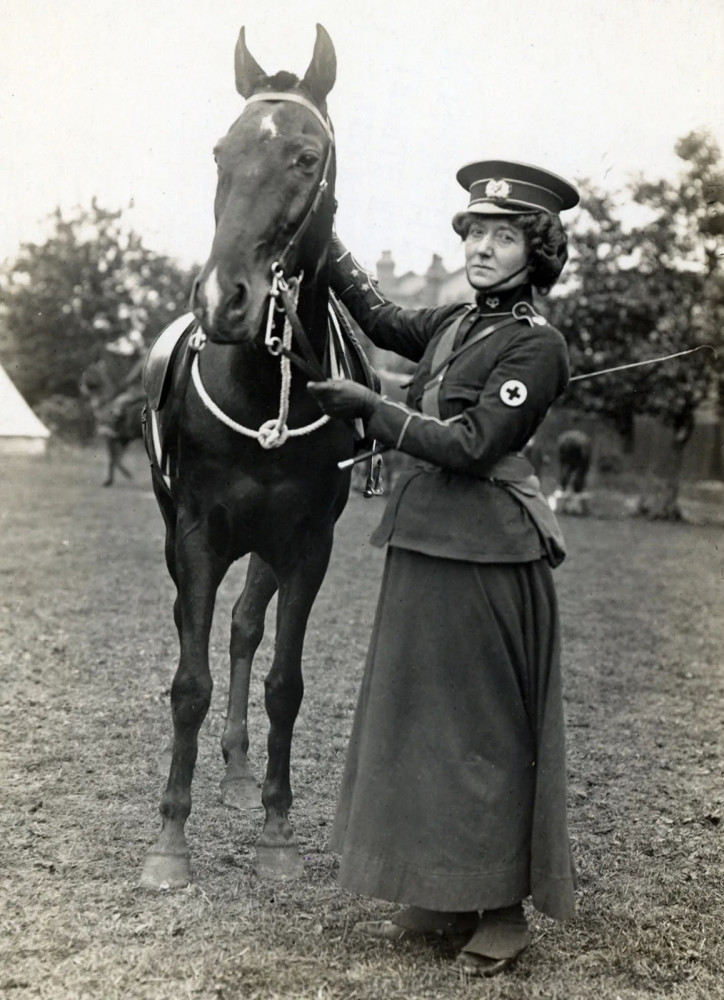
(386, 271)
(434, 278)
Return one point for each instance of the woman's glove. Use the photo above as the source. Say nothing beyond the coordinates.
(344, 398)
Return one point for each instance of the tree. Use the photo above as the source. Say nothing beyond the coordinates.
(90, 283)
(647, 281)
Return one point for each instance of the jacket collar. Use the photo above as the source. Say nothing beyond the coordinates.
(502, 301)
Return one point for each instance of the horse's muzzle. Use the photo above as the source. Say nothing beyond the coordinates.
(226, 316)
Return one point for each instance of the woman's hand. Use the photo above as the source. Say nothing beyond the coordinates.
(344, 398)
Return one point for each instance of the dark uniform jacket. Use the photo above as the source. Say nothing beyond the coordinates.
(453, 505)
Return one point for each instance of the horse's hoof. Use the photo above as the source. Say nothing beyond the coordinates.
(240, 793)
(162, 872)
(278, 863)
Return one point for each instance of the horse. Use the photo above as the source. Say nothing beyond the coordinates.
(117, 410)
(230, 490)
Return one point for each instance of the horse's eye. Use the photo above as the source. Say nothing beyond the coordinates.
(307, 160)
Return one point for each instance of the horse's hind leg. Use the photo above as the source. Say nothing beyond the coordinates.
(238, 786)
(108, 481)
(276, 848)
(116, 449)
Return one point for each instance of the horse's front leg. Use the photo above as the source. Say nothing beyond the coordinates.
(238, 786)
(199, 573)
(120, 452)
(276, 848)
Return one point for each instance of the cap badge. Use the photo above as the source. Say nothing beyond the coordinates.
(513, 392)
(499, 189)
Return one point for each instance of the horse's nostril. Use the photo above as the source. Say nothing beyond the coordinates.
(238, 301)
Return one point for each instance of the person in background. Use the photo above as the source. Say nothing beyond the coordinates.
(453, 800)
(574, 449)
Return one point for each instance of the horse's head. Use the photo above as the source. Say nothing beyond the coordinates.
(275, 193)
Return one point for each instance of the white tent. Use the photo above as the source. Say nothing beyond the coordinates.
(21, 432)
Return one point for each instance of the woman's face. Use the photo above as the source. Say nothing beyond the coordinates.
(494, 250)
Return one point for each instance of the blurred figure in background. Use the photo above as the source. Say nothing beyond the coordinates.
(574, 461)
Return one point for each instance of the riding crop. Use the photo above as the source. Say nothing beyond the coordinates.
(381, 449)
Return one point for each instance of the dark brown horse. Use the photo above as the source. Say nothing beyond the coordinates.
(239, 484)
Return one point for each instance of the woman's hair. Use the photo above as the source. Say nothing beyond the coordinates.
(546, 241)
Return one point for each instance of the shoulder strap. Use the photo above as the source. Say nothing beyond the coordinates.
(444, 355)
(444, 350)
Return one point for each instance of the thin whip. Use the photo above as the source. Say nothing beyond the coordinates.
(650, 361)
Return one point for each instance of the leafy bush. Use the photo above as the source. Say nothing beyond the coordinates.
(70, 418)
(610, 461)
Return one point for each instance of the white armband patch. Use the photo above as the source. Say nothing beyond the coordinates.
(513, 392)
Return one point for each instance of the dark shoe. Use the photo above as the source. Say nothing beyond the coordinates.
(480, 966)
(500, 937)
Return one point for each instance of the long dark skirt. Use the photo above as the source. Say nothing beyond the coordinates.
(454, 791)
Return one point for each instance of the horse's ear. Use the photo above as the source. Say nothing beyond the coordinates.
(248, 71)
(322, 72)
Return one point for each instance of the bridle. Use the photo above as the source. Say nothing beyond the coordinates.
(283, 297)
(284, 291)
(279, 266)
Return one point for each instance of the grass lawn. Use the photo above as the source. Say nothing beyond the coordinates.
(87, 654)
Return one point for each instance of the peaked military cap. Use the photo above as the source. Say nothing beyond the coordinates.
(502, 187)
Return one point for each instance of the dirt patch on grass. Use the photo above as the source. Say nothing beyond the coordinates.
(88, 650)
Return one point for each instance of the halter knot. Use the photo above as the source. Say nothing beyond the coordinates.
(272, 434)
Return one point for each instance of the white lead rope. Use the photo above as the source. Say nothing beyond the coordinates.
(272, 433)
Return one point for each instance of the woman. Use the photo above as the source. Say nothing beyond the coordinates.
(453, 797)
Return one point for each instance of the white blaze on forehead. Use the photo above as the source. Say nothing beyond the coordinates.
(269, 126)
(212, 291)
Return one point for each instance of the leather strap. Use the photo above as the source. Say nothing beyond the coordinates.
(429, 403)
(312, 362)
(445, 354)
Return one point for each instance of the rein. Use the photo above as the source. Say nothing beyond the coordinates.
(283, 297)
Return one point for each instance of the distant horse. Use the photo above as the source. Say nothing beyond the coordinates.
(117, 410)
(239, 479)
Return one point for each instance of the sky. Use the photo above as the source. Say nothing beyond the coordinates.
(124, 102)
